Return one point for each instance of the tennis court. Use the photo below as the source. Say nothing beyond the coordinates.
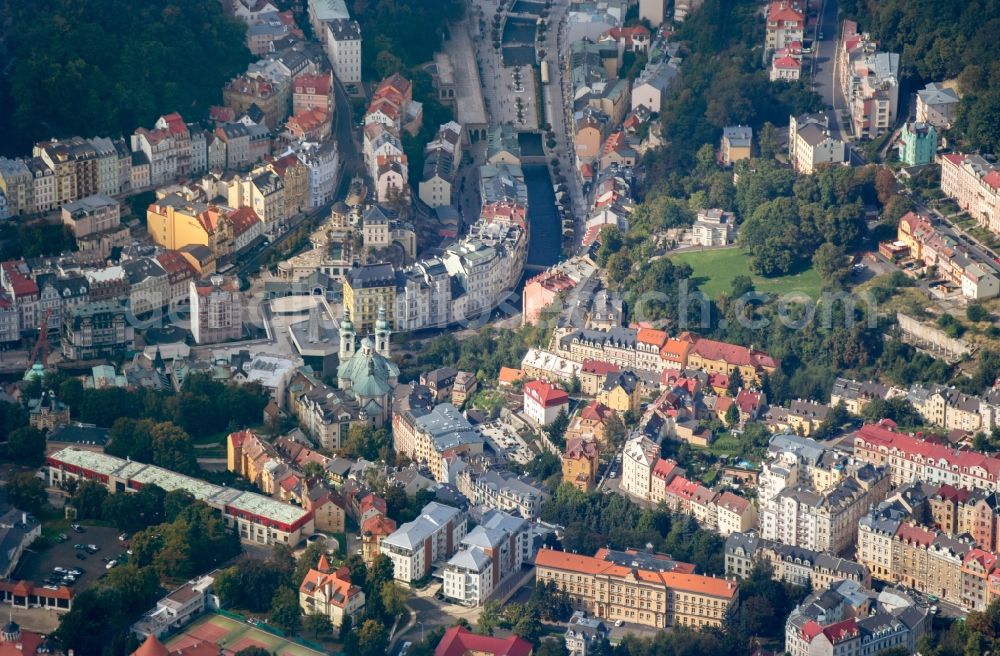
(233, 635)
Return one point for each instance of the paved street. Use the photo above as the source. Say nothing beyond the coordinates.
(505, 104)
(428, 613)
(826, 81)
(559, 112)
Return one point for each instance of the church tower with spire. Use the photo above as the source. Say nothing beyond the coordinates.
(382, 333)
(347, 336)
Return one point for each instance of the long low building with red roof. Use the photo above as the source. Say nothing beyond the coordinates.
(256, 518)
(639, 587)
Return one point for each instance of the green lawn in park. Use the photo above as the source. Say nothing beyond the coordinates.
(714, 271)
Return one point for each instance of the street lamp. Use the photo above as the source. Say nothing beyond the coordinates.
(421, 630)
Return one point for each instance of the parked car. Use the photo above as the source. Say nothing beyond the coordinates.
(111, 564)
(62, 537)
(93, 548)
(77, 528)
(123, 537)
(81, 556)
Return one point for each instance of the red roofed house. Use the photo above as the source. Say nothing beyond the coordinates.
(648, 344)
(617, 150)
(541, 291)
(459, 641)
(786, 24)
(628, 39)
(373, 531)
(720, 357)
(785, 68)
(311, 91)
(180, 273)
(543, 401)
(16, 280)
(508, 376)
(593, 373)
(590, 423)
(310, 124)
(665, 471)
(579, 463)
(750, 404)
(701, 601)
(330, 593)
(734, 514)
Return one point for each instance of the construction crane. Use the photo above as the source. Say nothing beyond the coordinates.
(42, 345)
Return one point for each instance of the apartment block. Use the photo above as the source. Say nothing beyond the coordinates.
(870, 83)
(810, 144)
(432, 537)
(790, 564)
(490, 553)
(846, 618)
(974, 184)
(216, 310)
(811, 497)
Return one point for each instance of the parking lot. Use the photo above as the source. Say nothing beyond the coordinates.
(39, 567)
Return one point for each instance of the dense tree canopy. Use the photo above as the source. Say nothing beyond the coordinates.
(722, 83)
(386, 47)
(593, 521)
(105, 67)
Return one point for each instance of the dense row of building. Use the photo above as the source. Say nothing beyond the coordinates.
(657, 480)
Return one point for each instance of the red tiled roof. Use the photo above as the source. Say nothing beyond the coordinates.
(21, 285)
(915, 534)
(681, 578)
(243, 219)
(546, 394)
(458, 641)
(748, 401)
(370, 502)
(378, 525)
(649, 336)
(992, 179)
(596, 411)
(509, 375)
(732, 354)
(733, 503)
(810, 630)
(786, 62)
(314, 84)
(841, 631)
(175, 124)
(599, 367)
(782, 11)
(579, 449)
(151, 647)
(173, 262)
(664, 468)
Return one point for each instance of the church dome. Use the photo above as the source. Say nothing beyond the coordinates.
(369, 374)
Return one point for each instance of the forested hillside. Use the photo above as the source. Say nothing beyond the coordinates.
(722, 83)
(105, 67)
